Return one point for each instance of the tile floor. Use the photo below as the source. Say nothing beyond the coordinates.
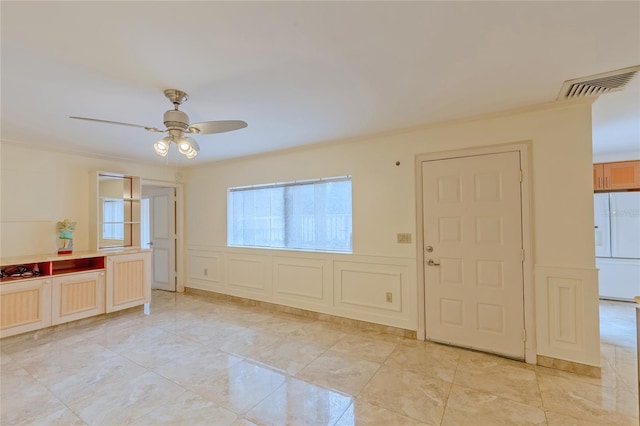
(199, 361)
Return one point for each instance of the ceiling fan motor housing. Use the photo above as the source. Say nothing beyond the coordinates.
(176, 120)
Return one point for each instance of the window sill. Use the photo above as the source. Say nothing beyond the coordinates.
(285, 249)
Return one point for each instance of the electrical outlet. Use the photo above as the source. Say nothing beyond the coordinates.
(389, 297)
(404, 238)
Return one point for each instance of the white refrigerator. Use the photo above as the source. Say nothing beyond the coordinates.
(617, 238)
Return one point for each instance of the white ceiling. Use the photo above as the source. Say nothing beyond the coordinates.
(301, 72)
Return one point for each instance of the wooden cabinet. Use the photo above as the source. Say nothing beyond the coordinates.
(616, 176)
(622, 175)
(40, 291)
(598, 177)
(25, 306)
(77, 296)
(128, 280)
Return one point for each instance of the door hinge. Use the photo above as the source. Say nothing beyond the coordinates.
(524, 334)
(522, 255)
(521, 176)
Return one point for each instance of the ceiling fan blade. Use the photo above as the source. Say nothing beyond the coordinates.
(150, 129)
(208, 127)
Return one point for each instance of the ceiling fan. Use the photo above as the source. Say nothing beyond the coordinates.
(177, 125)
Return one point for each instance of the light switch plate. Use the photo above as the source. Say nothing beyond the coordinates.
(404, 238)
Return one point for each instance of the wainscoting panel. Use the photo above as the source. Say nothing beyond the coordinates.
(299, 277)
(565, 301)
(359, 287)
(249, 272)
(567, 311)
(205, 266)
(377, 291)
(344, 285)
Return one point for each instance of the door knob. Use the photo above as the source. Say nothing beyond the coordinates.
(430, 262)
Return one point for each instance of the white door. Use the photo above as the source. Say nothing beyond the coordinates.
(473, 272)
(162, 204)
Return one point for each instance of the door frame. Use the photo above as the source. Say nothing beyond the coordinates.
(527, 235)
(179, 187)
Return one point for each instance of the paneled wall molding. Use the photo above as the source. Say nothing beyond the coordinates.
(249, 272)
(376, 289)
(301, 277)
(205, 266)
(568, 298)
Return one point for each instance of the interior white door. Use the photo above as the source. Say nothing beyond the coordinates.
(163, 238)
(473, 271)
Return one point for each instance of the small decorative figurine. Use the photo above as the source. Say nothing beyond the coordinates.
(65, 236)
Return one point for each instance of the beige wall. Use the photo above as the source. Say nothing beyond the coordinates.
(384, 194)
(40, 187)
(384, 197)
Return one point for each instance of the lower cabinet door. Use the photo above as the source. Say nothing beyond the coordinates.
(128, 280)
(76, 296)
(25, 305)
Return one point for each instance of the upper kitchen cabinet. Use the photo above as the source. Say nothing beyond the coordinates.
(616, 176)
(115, 214)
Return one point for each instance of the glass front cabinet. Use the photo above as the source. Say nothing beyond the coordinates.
(115, 211)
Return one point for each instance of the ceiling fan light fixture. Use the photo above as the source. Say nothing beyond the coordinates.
(193, 150)
(185, 145)
(162, 146)
(191, 154)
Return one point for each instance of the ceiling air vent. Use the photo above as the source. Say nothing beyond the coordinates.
(598, 84)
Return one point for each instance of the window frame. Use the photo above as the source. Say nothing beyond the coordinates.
(116, 224)
(288, 217)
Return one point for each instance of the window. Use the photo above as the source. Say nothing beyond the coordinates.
(113, 219)
(308, 215)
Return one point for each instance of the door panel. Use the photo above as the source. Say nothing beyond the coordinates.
(474, 273)
(77, 296)
(128, 280)
(160, 262)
